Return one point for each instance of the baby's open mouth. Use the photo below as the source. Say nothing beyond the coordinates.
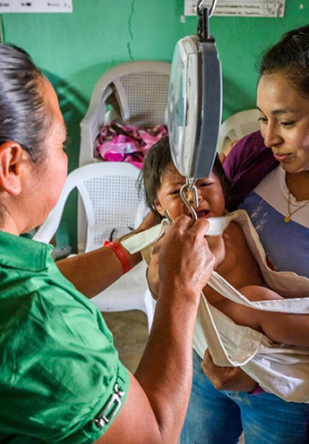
(203, 213)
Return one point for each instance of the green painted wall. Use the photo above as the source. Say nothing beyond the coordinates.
(74, 50)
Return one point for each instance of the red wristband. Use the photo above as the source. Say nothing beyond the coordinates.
(120, 253)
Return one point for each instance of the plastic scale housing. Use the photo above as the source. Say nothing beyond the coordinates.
(194, 106)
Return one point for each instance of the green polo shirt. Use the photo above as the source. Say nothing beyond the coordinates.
(58, 365)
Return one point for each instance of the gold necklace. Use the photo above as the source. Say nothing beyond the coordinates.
(290, 213)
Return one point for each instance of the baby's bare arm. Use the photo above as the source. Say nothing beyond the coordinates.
(291, 329)
(236, 263)
(217, 247)
(239, 267)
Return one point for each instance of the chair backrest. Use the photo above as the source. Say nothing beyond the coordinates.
(138, 93)
(237, 126)
(110, 198)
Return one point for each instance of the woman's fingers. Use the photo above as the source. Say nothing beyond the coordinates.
(185, 256)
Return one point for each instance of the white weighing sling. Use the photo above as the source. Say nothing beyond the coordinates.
(278, 368)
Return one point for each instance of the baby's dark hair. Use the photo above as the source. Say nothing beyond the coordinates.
(156, 163)
(290, 57)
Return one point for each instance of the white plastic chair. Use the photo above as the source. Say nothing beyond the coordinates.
(110, 198)
(237, 126)
(137, 92)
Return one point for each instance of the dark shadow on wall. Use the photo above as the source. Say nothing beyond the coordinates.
(71, 104)
(74, 106)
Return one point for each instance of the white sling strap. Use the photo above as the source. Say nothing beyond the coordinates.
(235, 345)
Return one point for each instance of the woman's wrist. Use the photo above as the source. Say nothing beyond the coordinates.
(122, 255)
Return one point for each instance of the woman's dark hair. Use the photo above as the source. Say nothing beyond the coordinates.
(24, 114)
(290, 57)
(156, 163)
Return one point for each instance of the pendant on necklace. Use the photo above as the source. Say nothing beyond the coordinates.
(287, 219)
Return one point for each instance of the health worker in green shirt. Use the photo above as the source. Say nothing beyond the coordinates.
(61, 380)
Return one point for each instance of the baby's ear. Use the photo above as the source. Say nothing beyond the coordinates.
(158, 207)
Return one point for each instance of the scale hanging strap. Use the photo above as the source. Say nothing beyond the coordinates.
(204, 15)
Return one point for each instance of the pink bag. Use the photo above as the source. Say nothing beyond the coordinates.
(121, 143)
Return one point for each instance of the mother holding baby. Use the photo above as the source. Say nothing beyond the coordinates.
(269, 173)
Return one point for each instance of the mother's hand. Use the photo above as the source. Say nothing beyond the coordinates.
(227, 378)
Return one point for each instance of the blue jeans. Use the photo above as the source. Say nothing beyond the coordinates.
(219, 417)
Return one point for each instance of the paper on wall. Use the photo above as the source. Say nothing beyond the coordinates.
(25, 6)
(245, 8)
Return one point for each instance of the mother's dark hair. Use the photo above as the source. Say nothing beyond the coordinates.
(24, 114)
(290, 57)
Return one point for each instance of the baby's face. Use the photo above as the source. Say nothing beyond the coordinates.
(211, 201)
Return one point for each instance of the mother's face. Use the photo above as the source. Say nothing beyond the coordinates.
(284, 118)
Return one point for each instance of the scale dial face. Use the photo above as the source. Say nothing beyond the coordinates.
(183, 105)
(194, 106)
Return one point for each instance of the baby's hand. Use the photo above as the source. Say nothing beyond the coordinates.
(149, 221)
(227, 378)
(153, 270)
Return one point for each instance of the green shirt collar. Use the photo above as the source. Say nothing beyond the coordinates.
(22, 253)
